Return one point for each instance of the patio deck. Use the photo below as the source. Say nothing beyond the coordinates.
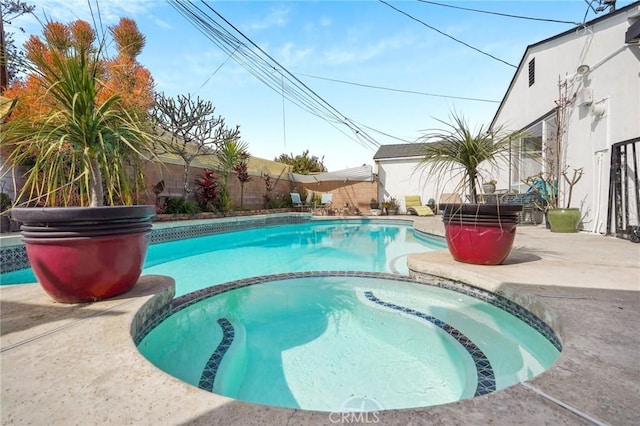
(78, 364)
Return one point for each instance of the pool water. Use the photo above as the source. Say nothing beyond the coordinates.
(313, 246)
(317, 245)
(323, 342)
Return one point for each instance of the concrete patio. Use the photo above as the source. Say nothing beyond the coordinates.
(77, 364)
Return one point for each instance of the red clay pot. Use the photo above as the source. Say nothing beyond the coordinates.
(85, 254)
(480, 244)
(481, 234)
(75, 270)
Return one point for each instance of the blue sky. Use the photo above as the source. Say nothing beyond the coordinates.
(365, 42)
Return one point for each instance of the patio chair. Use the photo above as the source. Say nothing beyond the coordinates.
(326, 199)
(413, 203)
(296, 201)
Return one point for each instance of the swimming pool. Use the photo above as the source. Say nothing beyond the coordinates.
(334, 245)
(347, 341)
(291, 327)
(364, 245)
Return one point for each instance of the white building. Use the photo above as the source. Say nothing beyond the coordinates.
(600, 64)
(400, 173)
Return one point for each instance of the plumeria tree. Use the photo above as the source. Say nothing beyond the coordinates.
(189, 129)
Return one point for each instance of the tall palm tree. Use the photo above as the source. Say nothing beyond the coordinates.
(459, 150)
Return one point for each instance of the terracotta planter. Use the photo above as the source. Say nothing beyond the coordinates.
(83, 254)
(480, 234)
(564, 220)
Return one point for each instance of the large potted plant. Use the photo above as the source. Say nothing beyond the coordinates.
(476, 233)
(75, 130)
(561, 216)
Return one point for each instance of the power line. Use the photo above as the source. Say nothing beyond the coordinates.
(413, 92)
(266, 69)
(216, 70)
(447, 35)
(500, 14)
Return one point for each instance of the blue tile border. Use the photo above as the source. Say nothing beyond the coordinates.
(210, 370)
(486, 378)
(220, 226)
(13, 258)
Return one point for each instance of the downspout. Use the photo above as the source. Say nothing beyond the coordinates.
(510, 163)
(600, 153)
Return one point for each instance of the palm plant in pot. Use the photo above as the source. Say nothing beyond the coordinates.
(476, 233)
(75, 130)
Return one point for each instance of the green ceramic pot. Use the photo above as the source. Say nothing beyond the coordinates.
(564, 220)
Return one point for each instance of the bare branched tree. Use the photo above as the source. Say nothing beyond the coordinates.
(10, 55)
(189, 129)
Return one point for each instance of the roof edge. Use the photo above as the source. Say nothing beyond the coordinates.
(546, 40)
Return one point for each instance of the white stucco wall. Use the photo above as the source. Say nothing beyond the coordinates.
(404, 176)
(613, 80)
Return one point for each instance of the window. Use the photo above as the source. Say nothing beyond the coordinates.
(526, 156)
(532, 71)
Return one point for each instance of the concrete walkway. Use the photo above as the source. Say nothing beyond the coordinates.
(77, 364)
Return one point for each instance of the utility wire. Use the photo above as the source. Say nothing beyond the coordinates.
(413, 92)
(216, 71)
(309, 92)
(260, 68)
(500, 14)
(447, 35)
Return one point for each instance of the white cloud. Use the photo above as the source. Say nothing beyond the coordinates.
(361, 53)
(109, 11)
(290, 56)
(161, 23)
(276, 17)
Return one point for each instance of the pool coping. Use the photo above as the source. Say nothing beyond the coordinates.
(109, 382)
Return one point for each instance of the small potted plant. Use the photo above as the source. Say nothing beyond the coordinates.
(489, 187)
(392, 206)
(566, 219)
(374, 204)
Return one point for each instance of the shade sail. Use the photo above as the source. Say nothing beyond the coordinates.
(355, 174)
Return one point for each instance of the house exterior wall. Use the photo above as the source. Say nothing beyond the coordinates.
(614, 84)
(399, 177)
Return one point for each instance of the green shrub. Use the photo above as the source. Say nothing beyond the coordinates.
(181, 206)
(5, 201)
